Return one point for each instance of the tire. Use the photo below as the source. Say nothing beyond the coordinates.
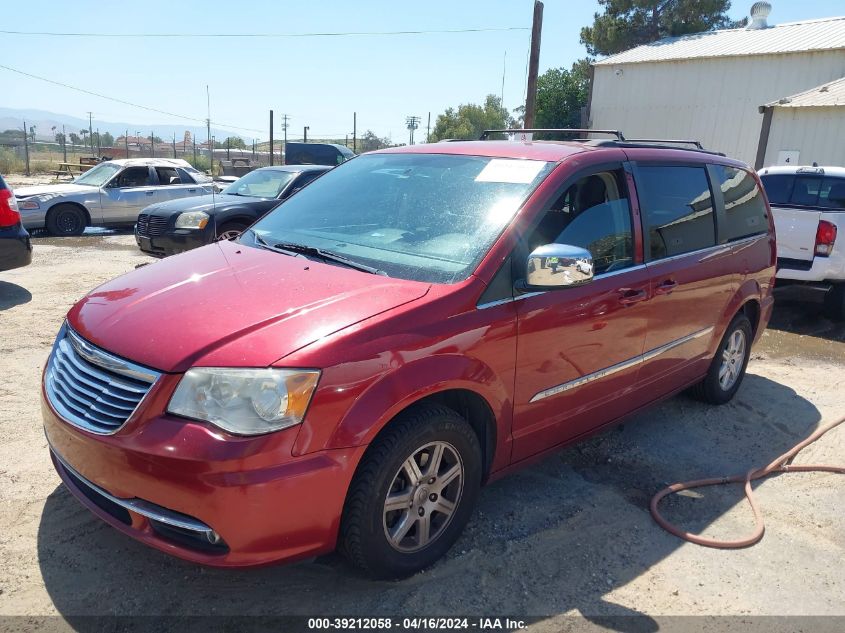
(230, 230)
(66, 220)
(729, 364)
(367, 525)
(834, 303)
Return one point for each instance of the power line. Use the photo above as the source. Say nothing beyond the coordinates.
(273, 35)
(124, 102)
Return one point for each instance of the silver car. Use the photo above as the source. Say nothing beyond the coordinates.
(110, 194)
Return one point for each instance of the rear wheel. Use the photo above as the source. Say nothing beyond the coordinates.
(729, 364)
(413, 493)
(834, 303)
(66, 220)
(230, 230)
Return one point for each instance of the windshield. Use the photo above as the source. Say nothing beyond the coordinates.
(261, 183)
(99, 175)
(424, 217)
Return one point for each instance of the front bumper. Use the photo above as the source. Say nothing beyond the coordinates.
(263, 504)
(15, 248)
(174, 241)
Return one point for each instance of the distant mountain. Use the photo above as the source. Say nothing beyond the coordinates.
(11, 118)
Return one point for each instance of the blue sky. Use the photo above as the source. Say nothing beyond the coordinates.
(318, 81)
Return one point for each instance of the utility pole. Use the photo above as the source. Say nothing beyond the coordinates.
(174, 145)
(271, 137)
(412, 123)
(125, 142)
(64, 144)
(305, 134)
(284, 152)
(355, 132)
(152, 144)
(91, 131)
(428, 128)
(208, 140)
(533, 65)
(99, 148)
(228, 146)
(26, 146)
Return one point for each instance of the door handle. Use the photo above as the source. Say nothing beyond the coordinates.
(666, 287)
(149, 193)
(192, 190)
(628, 296)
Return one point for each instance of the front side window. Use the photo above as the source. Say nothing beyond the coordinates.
(132, 177)
(745, 210)
(425, 217)
(594, 214)
(677, 209)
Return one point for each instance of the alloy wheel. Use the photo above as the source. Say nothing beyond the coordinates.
(423, 496)
(733, 358)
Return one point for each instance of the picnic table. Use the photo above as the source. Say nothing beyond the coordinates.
(70, 169)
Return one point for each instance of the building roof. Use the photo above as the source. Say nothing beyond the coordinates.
(828, 95)
(793, 37)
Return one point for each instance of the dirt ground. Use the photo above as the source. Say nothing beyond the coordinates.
(571, 535)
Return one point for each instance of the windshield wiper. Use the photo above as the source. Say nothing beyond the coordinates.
(301, 249)
(327, 255)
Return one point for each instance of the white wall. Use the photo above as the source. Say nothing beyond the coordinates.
(817, 133)
(712, 100)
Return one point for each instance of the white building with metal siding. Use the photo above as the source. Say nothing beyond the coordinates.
(805, 128)
(711, 86)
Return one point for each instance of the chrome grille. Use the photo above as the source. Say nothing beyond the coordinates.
(92, 389)
(151, 225)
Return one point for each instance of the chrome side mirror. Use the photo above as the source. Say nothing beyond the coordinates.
(558, 266)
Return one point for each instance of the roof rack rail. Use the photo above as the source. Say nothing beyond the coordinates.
(615, 133)
(665, 140)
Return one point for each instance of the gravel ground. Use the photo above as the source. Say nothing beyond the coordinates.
(571, 535)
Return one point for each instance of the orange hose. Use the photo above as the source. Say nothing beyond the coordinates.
(779, 465)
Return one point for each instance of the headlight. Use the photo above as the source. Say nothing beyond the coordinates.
(28, 203)
(245, 401)
(192, 220)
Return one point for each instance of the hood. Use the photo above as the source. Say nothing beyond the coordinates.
(207, 203)
(52, 190)
(227, 304)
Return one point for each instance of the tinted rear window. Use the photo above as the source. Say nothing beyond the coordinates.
(812, 191)
(677, 209)
(778, 187)
(745, 210)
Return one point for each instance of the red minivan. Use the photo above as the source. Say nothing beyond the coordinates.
(417, 322)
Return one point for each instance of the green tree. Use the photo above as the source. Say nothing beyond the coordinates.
(74, 139)
(370, 142)
(561, 94)
(470, 120)
(625, 24)
(106, 139)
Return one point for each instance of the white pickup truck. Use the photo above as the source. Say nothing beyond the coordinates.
(808, 204)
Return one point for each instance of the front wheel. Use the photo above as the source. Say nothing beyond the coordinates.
(66, 220)
(729, 364)
(413, 493)
(230, 231)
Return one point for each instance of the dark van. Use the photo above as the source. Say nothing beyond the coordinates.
(317, 154)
